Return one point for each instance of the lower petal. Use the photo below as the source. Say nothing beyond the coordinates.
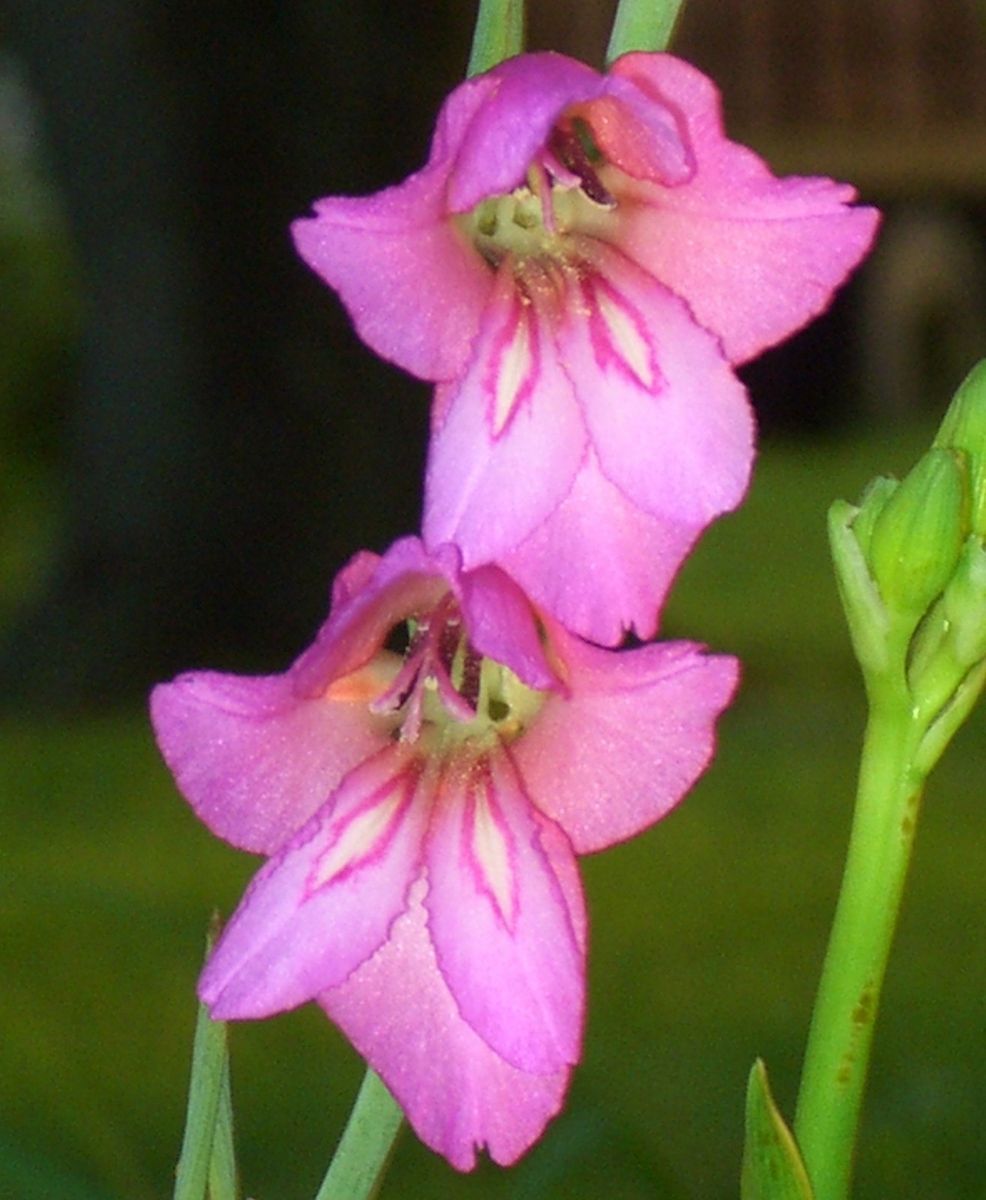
(599, 564)
(459, 1095)
(326, 902)
(499, 919)
(669, 420)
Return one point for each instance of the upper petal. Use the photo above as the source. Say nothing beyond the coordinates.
(504, 937)
(370, 596)
(755, 256)
(410, 280)
(526, 95)
(599, 564)
(327, 900)
(633, 737)
(251, 757)
(511, 437)
(458, 1093)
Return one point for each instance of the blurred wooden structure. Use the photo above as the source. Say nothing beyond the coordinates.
(888, 93)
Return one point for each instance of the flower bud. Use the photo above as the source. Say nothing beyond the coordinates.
(917, 536)
(878, 492)
(965, 604)
(964, 428)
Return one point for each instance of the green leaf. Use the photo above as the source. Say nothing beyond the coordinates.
(359, 1163)
(206, 1164)
(772, 1166)
(499, 34)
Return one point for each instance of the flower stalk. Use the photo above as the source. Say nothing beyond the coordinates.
(643, 25)
(499, 34)
(838, 1051)
(911, 568)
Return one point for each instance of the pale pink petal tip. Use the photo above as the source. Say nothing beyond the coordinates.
(459, 1094)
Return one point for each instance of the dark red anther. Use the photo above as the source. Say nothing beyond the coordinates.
(568, 148)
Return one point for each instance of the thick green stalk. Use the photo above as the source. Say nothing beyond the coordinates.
(499, 34)
(643, 25)
(837, 1056)
(357, 1169)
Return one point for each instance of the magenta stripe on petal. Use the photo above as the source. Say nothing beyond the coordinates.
(498, 917)
(326, 902)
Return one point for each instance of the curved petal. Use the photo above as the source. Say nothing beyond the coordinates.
(505, 942)
(636, 734)
(526, 96)
(502, 626)
(640, 135)
(755, 256)
(325, 903)
(254, 760)
(599, 564)
(370, 596)
(507, 448)
(458, 1094)
(669, 420)
(412, 283)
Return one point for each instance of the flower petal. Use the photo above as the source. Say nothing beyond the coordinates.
(599, 564)
(511, 437)
(503, 935)
(370, 596)
(458, 1094)
(413, 285)
(635, 735)
(669, 420)
(326, 902)
(755, 256)
(252, 758)
(526, 97)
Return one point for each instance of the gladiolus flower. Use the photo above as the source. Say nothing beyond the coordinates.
(421, 815)
(578, 266)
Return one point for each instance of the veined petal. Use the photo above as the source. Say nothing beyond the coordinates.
(635, 735)
(599, 564)
(755, 256)
(669, 420)
(326, 902)
(458, 1093)
(253, 759)
(507, 448)
(504, 938)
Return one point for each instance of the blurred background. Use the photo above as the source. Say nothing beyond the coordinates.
(193, 441)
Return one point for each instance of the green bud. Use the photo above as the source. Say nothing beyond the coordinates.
(917, 536)
(964, 428)
(965, 604)
(878, 492)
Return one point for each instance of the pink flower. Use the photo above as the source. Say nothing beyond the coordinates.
(422, 814)
(578, 266)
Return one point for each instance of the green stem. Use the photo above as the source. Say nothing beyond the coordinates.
(499, 34)
(642, 25)
(357, 1169)
(837, 1055)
